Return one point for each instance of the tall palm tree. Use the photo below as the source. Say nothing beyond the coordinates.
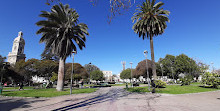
(150, 21)
(60, 32)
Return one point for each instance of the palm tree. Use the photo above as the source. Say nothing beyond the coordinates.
(150, 22)
(60, 32)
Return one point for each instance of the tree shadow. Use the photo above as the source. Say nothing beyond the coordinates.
(112, 95)
(10, 104)
(211, 87)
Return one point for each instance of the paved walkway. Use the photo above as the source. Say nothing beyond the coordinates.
(116, 99)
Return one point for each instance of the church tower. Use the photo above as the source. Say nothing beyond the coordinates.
(17, 52)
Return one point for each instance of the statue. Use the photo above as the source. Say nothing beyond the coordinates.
(20, 34)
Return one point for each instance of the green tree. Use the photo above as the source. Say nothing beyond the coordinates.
(2, 60)
(47, 55)
(97, 75)
(59, 30)
(141, 69)
(168, 66)
(180, 64)
(126, 74)
(46, 68)
(54, 77)
(184, 64)
(90, 68)
(79, 71)
(202, 67)
(150, 22)
(8, 74)
(27, 69)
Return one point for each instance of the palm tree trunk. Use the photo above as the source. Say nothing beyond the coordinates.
(152, 58)
(60, 81)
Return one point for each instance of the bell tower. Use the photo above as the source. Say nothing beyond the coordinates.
(17, 52)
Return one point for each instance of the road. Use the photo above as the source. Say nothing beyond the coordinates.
(116, 99)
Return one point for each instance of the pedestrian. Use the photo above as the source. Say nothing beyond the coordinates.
(21, 86)
(82, 84)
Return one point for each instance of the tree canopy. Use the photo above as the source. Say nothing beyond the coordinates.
(61, 33)
(97, 75)
(150, 21)
(180, 64)
(126, 74)
(116, 7)
(141, 69)
(91, 67)
(79, 71)
(2, 60)
(47, 55)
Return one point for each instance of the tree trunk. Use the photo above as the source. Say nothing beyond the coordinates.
(152, 58)
(60, 81)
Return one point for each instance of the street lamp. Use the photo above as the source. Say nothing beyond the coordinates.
(89, 73)
(145, 54)
(161, 65)
(4, 65)
(71, 82)
(131, 74)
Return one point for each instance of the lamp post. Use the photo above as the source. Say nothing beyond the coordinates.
(145, 54)
(89, 73)
(131, 74)
(161, 65)
(4, 65)
(71, 80)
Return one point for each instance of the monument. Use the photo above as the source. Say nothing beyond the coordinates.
(123, 65)
(17, 52)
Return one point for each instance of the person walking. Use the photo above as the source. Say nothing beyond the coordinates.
(21, 86)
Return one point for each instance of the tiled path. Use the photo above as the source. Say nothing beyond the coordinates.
(116, 99)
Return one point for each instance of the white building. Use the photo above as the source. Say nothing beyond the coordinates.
(17, 52)
(107, 75)
(37, 79)
(117, 78)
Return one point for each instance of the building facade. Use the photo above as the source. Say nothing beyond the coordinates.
(107, 75)
(17, 52)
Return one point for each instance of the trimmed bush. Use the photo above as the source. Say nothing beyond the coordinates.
(211, 79)
(186, 80)
(159, 84)
(170, 82)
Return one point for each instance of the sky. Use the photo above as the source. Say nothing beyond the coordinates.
(193, 30)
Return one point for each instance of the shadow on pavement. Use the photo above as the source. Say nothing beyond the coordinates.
(112, 95)
(10, 104)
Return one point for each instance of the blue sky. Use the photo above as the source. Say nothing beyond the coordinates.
(193, 30)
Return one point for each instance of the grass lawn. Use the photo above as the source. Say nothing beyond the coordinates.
(86, 85)
(120, 84)
(174, 89)
(13, 88)
(46, 92)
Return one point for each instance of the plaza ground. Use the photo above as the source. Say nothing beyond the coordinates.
(116, 99)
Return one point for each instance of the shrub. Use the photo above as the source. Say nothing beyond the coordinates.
(211, 79)
(170, 82)
(178, 82)
(159, 83)
(186, 80)
(54, 77)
